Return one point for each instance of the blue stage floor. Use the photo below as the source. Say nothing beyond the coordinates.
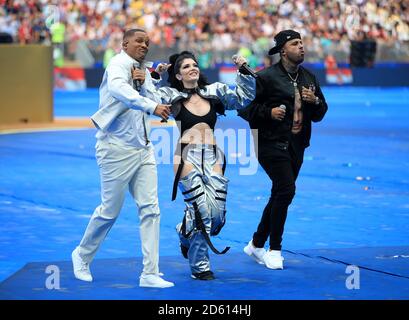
(351, 208)
(310, 275)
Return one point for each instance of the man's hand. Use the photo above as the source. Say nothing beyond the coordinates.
(277, 113)
(307, 95)
(162, 111)
(162, 67)
(138, 74)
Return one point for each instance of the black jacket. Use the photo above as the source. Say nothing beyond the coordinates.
(274, 87)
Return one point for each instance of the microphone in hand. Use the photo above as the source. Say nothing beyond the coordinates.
(245, 67)
(137, 83)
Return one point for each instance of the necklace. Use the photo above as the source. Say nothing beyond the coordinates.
(191, 90)
(293, 80)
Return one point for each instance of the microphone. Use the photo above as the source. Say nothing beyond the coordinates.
(136, 83)
(245, 67)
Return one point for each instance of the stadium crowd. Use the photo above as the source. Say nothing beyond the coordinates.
(214, 29)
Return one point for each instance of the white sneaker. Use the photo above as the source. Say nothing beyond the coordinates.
(81, 268)
(273, 259)
(256, 253)
(154, 281)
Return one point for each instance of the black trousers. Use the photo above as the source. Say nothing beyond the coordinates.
(282, 167)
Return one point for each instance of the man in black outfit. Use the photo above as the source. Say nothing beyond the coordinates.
(288, 99)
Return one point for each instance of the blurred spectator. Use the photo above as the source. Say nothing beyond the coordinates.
(41, 34)
(114, 47)
(58, 39)
(25, 32)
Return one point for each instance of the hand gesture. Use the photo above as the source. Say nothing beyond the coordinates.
(162, 67)
(307, 95)
(239, 61)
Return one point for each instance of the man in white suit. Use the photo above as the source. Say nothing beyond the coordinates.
(126, 158)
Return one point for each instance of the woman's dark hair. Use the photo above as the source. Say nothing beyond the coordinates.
(176, 61)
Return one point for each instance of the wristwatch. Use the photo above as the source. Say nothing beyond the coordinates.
(317, 100)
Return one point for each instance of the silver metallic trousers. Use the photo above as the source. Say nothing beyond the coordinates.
(205, 190)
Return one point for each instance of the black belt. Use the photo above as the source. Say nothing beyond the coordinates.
(201, 227)
(144, 130)
(180, 167)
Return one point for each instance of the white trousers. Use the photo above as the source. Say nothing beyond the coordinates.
(124, 168)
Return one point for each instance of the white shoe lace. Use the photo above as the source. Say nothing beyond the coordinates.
(84, 266)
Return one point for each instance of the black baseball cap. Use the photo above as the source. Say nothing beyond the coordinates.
(281, 38)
